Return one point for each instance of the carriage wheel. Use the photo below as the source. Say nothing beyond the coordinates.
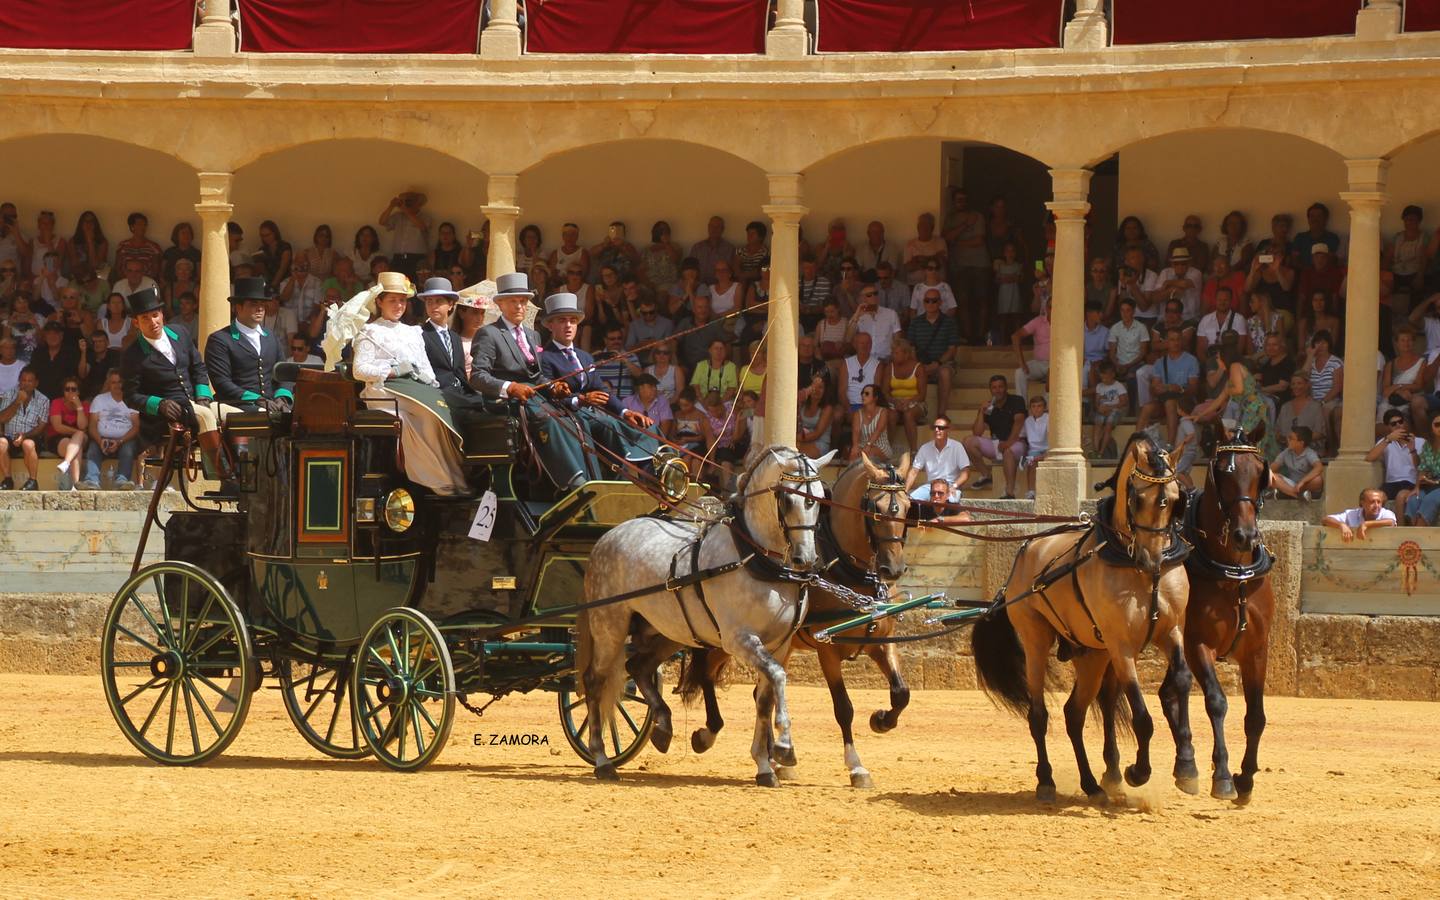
(633, 723)
(317, 697)
(403, 690)
(177, 665)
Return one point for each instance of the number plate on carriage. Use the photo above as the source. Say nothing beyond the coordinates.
(484, 523)
(502, 583)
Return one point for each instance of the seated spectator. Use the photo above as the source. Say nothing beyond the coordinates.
(1038, 366)
(816, 417)
(1036, 444)
(93, 289)
(138, 248)
(302, 291)
(809, 364)
(1265, 319)
(999, 424)
(692, 427)
(939, 507)
(1111, 401)
(701, 329)
(55, 359)
(1100, 290)
(1318, 315)
(1181, 281)
(936, 341)
(24, 413)
(114, 432)
(73, 317)
(1361, 520)
(1273, 370)
(1132, 237)
(10, 365)
(1190, 242)
(669, 375)
(646, 328)
(1225, 318)
(870, 317)
(1323, 274)
(1223, 276)
(1297, 472)
(660, 262)
(1327, 383)
(344, 279)
(830, 335)
(1234, 244)
(1185, 448)
(862, 369)
(1273, 272)
(1423, 508)
(66, 432)
(941, 459)
(1303, 411)
(906, 388)
(894, 293)
(925, 248)
(133, 278)
(726, 294)
(932, 279)
(1318, 234)
(870, 426)
(715, 374)
(1175, 375)
(727, 434)
(88, 249)
(874, 251)
(713, 250)
(24, 325)
(278, 319)
(648, 401)
(115, 323)
(616, 367)
(301, 351)
(752, 374)
(1401, 452)
(1131, 285)
(847, 289)
(814, 292)
(754, 255)
(1401, 381)
(1097, 343)
(1128, 342)
(48, 282)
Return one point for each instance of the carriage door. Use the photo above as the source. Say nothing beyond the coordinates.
(322, 539)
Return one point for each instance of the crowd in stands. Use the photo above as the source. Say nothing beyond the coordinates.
(1217, 331)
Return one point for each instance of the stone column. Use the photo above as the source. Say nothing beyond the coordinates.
(501, 38)
(1060, 479)
(788, 39)
(1349, 473)
(1088, 30)
(782, 360)
(215, 35)
(214, 209)
(502, 213)
(1380, 20)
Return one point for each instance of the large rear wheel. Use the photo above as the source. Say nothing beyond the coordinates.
(317, 697)
(623, 740)
(176, 664)
(403, 690)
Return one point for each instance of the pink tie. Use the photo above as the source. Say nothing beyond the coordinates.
(524, 344)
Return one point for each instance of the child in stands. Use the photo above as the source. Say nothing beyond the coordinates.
(1111, 400)
(1297, 471)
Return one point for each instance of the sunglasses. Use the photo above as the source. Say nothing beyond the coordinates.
(71, 389)
(869, 294)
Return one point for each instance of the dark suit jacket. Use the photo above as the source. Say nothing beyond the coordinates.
(449, 369)
(495, 358)
(240, 376)
(149, 378)
(554, 364)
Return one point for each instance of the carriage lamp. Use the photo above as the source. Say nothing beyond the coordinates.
(671, 472)
(365, 510)
(399, 510)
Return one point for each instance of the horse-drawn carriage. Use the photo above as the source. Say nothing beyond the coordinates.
(375, 604)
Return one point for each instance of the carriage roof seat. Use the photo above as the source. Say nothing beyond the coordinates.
(325, 402)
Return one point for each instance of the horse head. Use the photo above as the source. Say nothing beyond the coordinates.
(884, 504)
(1147, 501)
(779, 495)
(1234, 493)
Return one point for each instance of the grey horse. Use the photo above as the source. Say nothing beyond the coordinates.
(748, 618)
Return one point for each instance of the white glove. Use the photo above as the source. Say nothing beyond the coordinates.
(402, 369)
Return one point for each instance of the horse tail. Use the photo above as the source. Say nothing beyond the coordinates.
(1111, 701)
(1000, 662)
(701, 671)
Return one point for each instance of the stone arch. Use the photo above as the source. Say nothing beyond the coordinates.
(1411, 180)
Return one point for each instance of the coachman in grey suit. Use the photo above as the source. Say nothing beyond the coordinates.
(505, 363)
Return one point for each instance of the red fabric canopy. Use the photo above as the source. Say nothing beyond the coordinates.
(1422, 15)
(360, 26)
(1156, 22)
(97, 25)
(857, 26)
(645, 26)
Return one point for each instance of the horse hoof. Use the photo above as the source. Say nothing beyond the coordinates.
(767, 779)
(1189, 784)
(1045, 793)
(785, 773)
(660, 740)
(1222, 789)
(878, 724)
(607, 772)
(1099, 797)
(861, 780)
(1134, 777)
(1112, 783)
(784, 755)
(1242, 799)
(703, 739)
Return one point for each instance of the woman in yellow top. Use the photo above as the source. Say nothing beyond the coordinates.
(907, 388)
(752, 378)
(715, 374)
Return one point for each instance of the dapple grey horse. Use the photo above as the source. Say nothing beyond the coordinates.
(749, 618)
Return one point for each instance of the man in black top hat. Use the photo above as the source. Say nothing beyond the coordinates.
(241, 358)
(167, 383)
(445, 353)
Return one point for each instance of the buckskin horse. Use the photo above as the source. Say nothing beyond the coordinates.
(1105, 590)
(863, 532)
(737, 584)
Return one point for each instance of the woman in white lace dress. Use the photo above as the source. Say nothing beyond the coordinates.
(387, 349)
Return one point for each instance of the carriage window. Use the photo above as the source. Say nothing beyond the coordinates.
(322, 505)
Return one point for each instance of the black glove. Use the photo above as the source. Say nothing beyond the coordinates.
(171, 411)
(202, 401)
(275, 405)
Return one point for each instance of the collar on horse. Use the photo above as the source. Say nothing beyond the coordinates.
(845, 567)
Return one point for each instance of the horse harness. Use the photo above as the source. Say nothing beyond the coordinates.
(1202, 564)
(845, 569)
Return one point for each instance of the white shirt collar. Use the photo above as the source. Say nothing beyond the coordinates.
(247, 330)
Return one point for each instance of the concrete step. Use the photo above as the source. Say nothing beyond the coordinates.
(48, 472)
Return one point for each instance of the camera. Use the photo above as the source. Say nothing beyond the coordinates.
(1266, 258)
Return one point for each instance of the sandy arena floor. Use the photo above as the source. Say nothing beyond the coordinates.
(1348, 803)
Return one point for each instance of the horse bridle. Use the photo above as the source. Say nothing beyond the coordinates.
(1227, 508)
(1132, 492)
(893, 487)
(807, 476)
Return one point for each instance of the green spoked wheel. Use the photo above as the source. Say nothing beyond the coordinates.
(403, 690)
(176, 664)
(317, 697)
(623, 740)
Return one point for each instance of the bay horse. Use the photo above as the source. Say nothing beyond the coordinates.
(863, 532)
(1105, 591)
(735, 584)
(1231, 604)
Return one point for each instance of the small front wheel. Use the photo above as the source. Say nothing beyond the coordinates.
(624, 739)
(176, 664)
(402, 690)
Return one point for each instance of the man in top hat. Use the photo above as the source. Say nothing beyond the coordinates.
(241, 358)
(167, 383)
(505, 364)
(443, 349)
(621, 431)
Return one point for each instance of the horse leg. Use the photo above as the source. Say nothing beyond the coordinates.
(603, 678)
(703, 738)
(1252, 676)
(844, 713)
(644, 667)
(1039, 719)
(769, 697)
(1111, 781)
(1222, 786)
(887, 658)
(1175, 704)
(1140, 721)
(1090, 669)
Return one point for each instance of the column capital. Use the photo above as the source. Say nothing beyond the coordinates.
(786, 188)
(501, 190)
(1367, 174)
(215, 193)
(1360, 201)
(1071, 185)
(1068, 209)
(788, 213)
(493, 210)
